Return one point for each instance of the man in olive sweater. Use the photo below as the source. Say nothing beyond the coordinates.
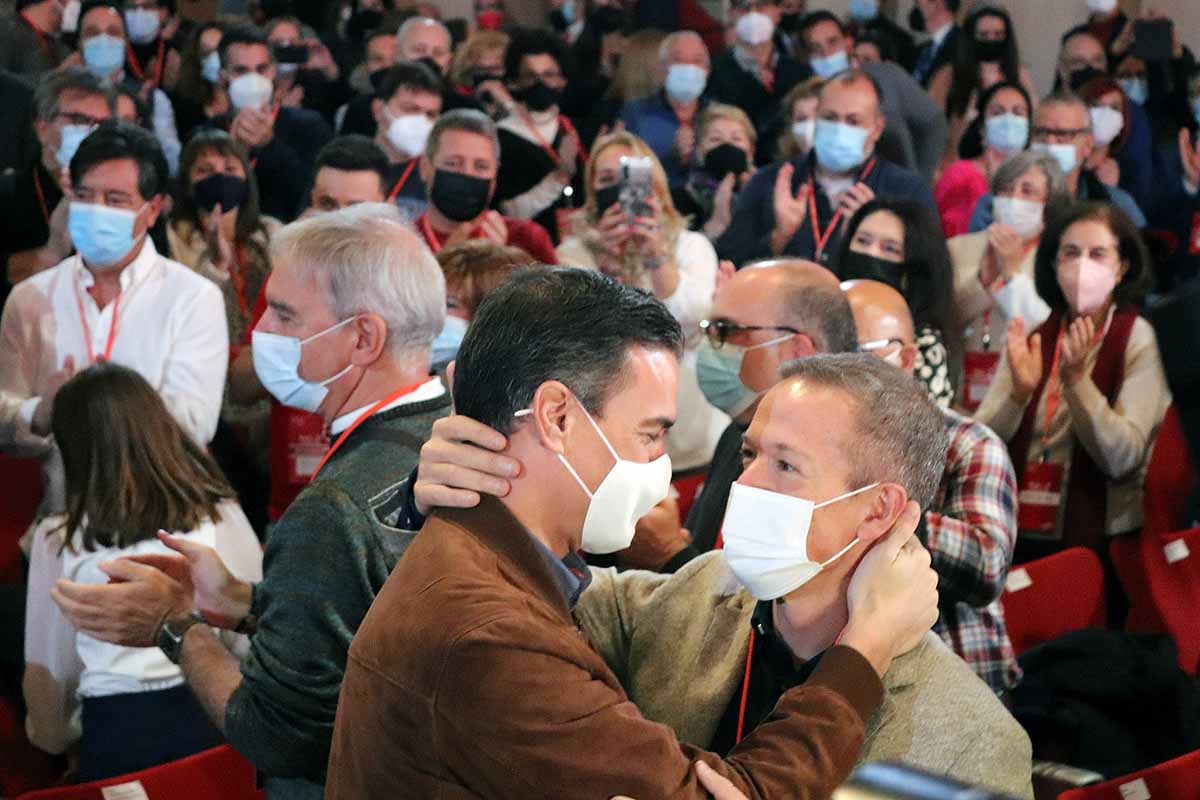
(354, 301)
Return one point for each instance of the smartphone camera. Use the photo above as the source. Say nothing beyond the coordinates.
(636, 186)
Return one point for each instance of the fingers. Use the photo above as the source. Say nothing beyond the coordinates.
(1035, 346)
(803, 192)
(429, 496)
(717, 785)
(464, 429)
(453, 475)
(124, 569)
(783, 182)
(159, 561)
(902, 530)
(190, 550)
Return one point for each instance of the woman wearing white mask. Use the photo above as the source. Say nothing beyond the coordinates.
(800, 108)
(1124, 153)
(199, 95)
(993, 269)
(655, 252)
(1079, 401)
(1000, 129)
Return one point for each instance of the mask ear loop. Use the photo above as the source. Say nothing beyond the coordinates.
(837, 499)
(525, 412)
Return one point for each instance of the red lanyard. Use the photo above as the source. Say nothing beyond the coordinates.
(137, 68)
(1053, 385)
(819, 239)
(403, 180)
(37, 184)
(87, 331)
(41, 37)
(550, 151)
(745, 691)
(431, 237)
(363, 417)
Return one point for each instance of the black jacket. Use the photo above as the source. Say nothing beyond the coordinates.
(729, 83)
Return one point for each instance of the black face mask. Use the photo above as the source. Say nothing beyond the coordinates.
(916, 20)
(907, 279)
(482, 76)
(1079, 77)
(607, 197)
(724, 159)
(228, 190)
(539, 96)
(558, 20)
(433, 65)
(991, 51)
(459, 197)
(790, 23)
(607, 19)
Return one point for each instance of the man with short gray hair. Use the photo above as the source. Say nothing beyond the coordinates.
(353, 303)
(67, 105)
(664, 120)
(425, 39)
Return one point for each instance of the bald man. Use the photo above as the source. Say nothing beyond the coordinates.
(971, 527)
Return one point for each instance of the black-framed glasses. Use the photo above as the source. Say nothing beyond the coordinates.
(718, 331)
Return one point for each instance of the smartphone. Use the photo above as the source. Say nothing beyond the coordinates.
(291, 54)
(1153, 39)
(636, 186)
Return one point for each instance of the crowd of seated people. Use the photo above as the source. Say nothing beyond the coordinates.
(419, 403)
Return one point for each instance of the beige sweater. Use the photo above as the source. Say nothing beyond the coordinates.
(678, 645)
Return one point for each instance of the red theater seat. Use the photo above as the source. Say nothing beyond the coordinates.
(1053, 596)
(1177, 779)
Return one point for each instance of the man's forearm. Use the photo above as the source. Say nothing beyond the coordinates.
(211, 671)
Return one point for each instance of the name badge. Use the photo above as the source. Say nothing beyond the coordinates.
(979, 369)
(1039, 498)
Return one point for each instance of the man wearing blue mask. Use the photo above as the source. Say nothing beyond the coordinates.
(666, 120)
(354, 301)
(915, 130)
(838, 450)
(797, 208)
(1062, 128)
(68, 104)
(116, 300)
(472, 639)
(103, 47)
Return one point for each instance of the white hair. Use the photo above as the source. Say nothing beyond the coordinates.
(371, 262)
(664, 47)
(415, 22)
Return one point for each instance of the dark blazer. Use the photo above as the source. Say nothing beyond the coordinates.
(729, 83)
(748, 235)
(469, 678)
(17, 143)
(944, 56)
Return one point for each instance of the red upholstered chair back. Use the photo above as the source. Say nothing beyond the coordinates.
(1177, 779)
(1053, 596)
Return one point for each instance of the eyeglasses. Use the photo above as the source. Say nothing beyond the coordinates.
(720, 331)
(74, 118)
(1058, 133)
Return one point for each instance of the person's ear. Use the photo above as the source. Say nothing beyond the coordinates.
(799, 346)
(551, 422)
(1089, 144)
(908, 358)
(372, 340)
(156, 208)
(377, 112)
(886, 506)
(880, 124)
(425, 168)
(42, 128)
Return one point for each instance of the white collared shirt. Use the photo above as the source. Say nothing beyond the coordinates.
(939, 36)
(429, 390)
(170, 328)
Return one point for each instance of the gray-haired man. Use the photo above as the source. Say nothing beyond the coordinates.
(354, 302)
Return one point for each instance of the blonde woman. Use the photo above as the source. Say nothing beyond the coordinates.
(658, 253)
(478, 70)
(723, 162)
(800, 106)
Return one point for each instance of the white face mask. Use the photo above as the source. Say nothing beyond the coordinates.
(409, 133)
(1107, 124)
(277, 365)
(804, 131)
(250, 91)
(766, 540)
(1101, 6)
(754, 28)
(142, 24)
(627, 493)
(1064, 154)
(1023, 216)
(70, 17)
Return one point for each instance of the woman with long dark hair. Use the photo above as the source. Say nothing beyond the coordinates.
(130, 470)
(987, 54)
(899, 242)
(198, 96)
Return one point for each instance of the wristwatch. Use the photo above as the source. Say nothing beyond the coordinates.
(170, 635)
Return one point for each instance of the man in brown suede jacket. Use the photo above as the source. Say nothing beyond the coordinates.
(469, 677)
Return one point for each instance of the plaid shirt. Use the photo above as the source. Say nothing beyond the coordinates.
(971, 535)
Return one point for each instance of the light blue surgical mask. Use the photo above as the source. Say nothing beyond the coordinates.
(1064, 154)
(1008, 133)
(1136, 89)
(830, 65)
(718, 372)
(69, 140)
(568, 12)
(445, 346)
(685, 82)
(210, 68)
(102, 235)
(277, 365)
(840, 147)
(142, 24)
(103, 55)
(863, 10)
